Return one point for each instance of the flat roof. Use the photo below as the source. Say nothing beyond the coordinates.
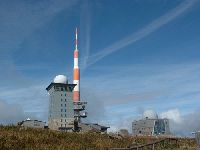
(59, 84)
(33, 120)
(96, 124)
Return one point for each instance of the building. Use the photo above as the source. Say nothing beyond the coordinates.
(28, 123)
(124, 132)
(151, 125)
(92, 127)
(197, 137)
(61, 107)
(66, 109)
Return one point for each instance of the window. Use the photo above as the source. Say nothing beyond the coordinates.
(61, 110)
(61, 105)
(61, 94)
(61, 125)
(61, 120)
(65, 125)
(65, 105)
(61, 99)
(65, 120)
(61, 115)
(65, 115)
(56, 88)
(65, 110)
(65, 94)
(70, 88)
(65, 100)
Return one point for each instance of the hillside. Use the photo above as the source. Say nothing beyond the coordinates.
(12, 137)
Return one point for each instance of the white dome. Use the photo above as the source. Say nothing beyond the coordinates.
(150, 114)
(60, 79)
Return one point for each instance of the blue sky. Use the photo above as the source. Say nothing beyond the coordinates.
(134, 55)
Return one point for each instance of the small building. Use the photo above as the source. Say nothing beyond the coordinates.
(151, 125)
(197, 137)
(124, 132)
(92, 127)
(28, 123)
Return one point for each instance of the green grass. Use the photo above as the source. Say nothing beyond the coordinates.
(12, 138)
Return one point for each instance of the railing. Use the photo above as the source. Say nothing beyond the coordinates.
(150, 145)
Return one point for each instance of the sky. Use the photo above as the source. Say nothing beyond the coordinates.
(135, 55)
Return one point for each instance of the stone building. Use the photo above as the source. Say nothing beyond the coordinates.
(92, 127)
(151, 125)
(61, 107)
(124, 132)
(28, 123)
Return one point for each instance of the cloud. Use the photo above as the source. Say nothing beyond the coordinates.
(21, 18)
(123, 98)
(19, 22)
(32, 99)
(147, 83)
(182, 125)
(95, 106)
(10, 113)
(172, 114)
(85, 25)
(142, 33)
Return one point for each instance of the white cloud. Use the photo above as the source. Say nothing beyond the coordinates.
(182, 125)
(10, 113)
(147, 83)
(85, 25)
(19, 19)
(172, 114)
(32, 99)
(158, 87)
(147, 30)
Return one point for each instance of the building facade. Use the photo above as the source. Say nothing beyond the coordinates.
(32, 124)
(61, 107)
(151, 127)
(197, 137)
(123, 132)
(92, 127)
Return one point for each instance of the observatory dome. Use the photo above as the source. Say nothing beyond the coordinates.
(150, 114)
(60, 79)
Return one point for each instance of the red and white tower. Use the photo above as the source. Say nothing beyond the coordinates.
(76, 94)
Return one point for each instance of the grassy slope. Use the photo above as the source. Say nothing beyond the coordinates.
(12, 138)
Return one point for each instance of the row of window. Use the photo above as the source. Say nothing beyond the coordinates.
(62, 115)
(63, 105)
(63, 120)
(66, 89)
(62, 110)
(62, 125)
(62, 100)
(63, 88)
